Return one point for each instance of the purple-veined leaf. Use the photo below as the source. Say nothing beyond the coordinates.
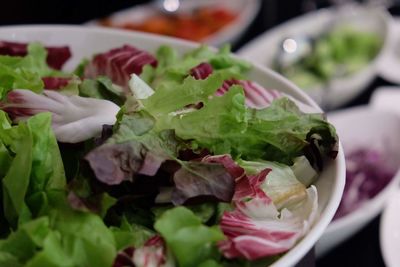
(119, 63)
(74, 118)
(256, 229)
(256, 96)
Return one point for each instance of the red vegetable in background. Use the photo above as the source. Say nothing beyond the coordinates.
(195, 25)
(367, 173)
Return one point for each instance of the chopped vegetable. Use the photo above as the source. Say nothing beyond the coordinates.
(367, 174)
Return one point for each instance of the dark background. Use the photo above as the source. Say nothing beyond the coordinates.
(363, 248)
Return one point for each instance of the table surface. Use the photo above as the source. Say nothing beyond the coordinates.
(360, 250)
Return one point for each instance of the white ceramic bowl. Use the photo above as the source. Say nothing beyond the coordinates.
(363, 127)
(390, 231)
(85, 41)
(246, 10)
(264, 48)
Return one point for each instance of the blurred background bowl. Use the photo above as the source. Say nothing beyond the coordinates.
(341, 90)
(382, 128)
(244, 11)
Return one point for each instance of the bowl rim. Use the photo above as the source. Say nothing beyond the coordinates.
(295, 254)
(386, 236)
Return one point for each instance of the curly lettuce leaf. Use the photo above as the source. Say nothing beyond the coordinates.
(224, 125)
(216, 126)
(191, 91)
(133, 148)
(173, 69)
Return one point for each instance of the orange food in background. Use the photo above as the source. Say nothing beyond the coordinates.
(195, 26)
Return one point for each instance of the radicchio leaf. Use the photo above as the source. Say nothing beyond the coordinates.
(74, 118)
(202, 180)
(56, 56)
(119, 63)
(201, 71)
(256, 229)
(55, 83)
(257, 96)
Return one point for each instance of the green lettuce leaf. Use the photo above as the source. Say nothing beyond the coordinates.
(224, 125)
(189, 240)
(31, 144)
(172, 69)
(191, 91)
(102, 88)
(25, 72)
(216, 126)
(63, 238)
(130, 234)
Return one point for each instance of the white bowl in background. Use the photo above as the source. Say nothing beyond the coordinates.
(264, 48)
(246, 12)
(390, 232)
(85, 41)
(369, 128)
(389, 65)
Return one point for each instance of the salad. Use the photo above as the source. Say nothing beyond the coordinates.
(338, 53)
(137, 159)
(367, 174)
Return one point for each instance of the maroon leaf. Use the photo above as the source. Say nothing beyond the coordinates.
(119, 63)
(230, 165)
(56, 56)
(202, 180)
(114, 163)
